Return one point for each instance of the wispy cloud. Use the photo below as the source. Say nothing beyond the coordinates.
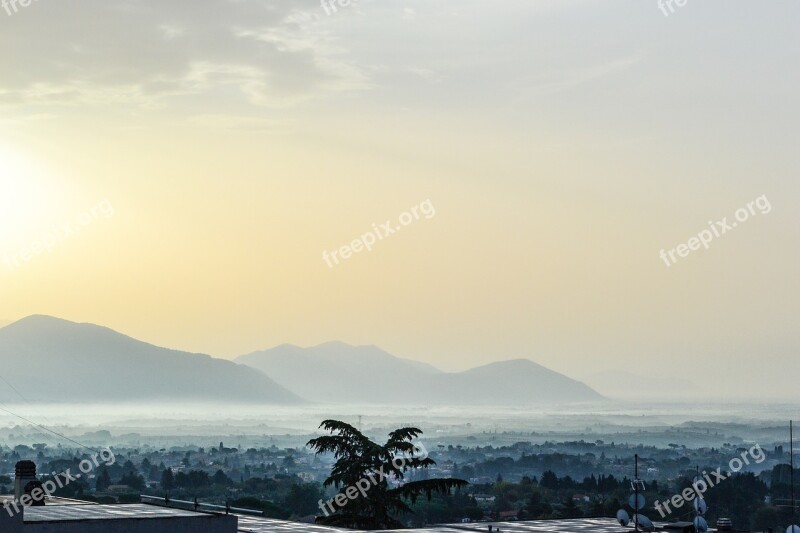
(144, 56)
(572, 77)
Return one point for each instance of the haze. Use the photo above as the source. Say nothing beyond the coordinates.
(221, 147)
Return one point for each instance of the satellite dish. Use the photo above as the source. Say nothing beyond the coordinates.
(793, 529)
(623, 518)
(634, 499)
(701, 525)
(700, 505)
(645, 523)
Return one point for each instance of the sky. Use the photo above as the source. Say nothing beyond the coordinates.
(182, 172)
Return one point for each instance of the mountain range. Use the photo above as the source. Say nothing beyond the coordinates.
(47, 359)
(335, 372)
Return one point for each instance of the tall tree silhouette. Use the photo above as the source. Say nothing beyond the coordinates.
(363, 464)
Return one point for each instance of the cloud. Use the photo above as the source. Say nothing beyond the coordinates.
(571, 77)
(149, 54)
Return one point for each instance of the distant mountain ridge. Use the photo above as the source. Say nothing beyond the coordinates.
(48, 359)
(336, 372)
(52, 360)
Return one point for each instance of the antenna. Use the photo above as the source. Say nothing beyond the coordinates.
(791, 466)
(623, 518)
(636, 491)
(700, 508)
(636, 502)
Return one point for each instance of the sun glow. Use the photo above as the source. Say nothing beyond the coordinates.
(24, 197)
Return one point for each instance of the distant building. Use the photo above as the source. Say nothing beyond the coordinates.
(508, 515)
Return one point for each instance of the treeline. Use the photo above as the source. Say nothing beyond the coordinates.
(742, 498)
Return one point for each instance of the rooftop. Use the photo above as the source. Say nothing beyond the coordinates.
(71, 515)
(251, 524)
(73, 512)
(594, 525)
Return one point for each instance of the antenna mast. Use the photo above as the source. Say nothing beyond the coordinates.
(636, 492)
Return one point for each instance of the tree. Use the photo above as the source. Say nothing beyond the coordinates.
(192, 480)
(103, 479)
(363, 463)
(134, 481)
(220, 478)
(570, 509)
(302, 500)
(549, 480)
(536, 508)
(167, 479)
(766, 518)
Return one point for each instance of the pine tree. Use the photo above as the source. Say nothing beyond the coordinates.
(359, 459)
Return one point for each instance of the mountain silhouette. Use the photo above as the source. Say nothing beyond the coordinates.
(336, 372)
(46, 359)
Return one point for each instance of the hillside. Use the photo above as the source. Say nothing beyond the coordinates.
(51, 360)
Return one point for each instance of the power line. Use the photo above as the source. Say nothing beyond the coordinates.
(24, 399)
(48, 429)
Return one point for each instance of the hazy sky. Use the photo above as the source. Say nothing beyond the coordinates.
(224, 145)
